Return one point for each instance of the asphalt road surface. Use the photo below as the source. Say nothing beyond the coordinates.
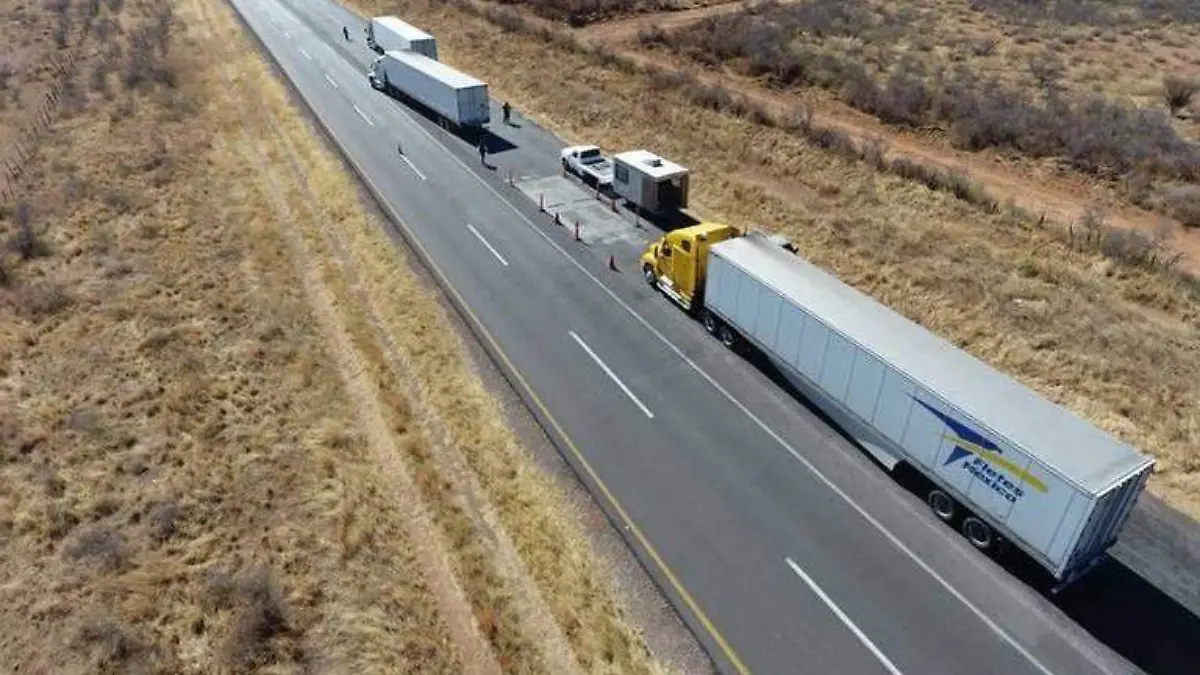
(783, 547)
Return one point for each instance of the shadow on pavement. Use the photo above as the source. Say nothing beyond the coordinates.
(1135, 619)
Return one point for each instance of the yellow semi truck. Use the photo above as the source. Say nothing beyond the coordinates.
(1002, 463)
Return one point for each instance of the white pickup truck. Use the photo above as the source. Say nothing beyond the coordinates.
(587, 162)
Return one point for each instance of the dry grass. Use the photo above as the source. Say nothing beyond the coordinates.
(1116, 344)
(215, 453)
(967, 78)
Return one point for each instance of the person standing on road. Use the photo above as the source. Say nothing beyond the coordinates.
(346, 33)
(507, 112)
(482, 151)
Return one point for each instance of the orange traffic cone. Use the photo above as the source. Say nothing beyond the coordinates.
(577, 231)
(612, 263)
(542, 203)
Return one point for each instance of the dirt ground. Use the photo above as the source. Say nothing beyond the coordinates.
(220, 450)
(1116, 344)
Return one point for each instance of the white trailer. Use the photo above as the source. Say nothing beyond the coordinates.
(385, 33)
(650, 182)
(454, 96)
(1000, 458)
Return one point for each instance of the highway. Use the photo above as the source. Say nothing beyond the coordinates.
(784, 549)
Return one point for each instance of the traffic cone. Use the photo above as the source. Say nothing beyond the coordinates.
(612, 263)
(542, 202)
(556, 220)
(577, 231)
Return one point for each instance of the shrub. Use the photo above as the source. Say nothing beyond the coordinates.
(101, 544)
(25, 242)
(1184, 204)
(1178, 92)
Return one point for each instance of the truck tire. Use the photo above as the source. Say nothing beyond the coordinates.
(978, 533)
(727, 336)
(566, 167)
(942, 505)
(710, 323)
(648, 275)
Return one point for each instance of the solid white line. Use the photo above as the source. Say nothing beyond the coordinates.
(305, 54)
(812, 468)
(362, 115)
(330, 80)
(612, 375)
(485, 243)
(412, 166)
(862, 637)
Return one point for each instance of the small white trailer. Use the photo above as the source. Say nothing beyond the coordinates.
(1001, 460)
(386, 33)
(649, 182)
(457, 98)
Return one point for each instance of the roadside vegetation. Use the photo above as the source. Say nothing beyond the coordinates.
(983, 84)
(583, 12)
(1085, 314)
(220, 450)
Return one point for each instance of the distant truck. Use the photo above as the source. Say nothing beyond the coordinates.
(587, 162)
(649, 182)
(459, 100)
(1000, 462)
(387, 33)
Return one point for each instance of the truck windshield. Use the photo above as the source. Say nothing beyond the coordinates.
(594, 153)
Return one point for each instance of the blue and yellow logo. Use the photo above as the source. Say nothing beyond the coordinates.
(983, 458)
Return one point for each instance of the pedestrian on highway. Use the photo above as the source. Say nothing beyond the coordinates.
(482, 151)
(346, 33)
(507, 112)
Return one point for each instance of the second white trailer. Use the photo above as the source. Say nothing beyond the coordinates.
(1032, 471)
(455, 96)
(385, 33)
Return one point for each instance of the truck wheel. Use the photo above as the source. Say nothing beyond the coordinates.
(648, 275)
(978, 533)
(710, 323)
(566, 167)
(942, 505)
(727, 337)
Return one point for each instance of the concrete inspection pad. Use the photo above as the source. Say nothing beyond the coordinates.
(572, 202)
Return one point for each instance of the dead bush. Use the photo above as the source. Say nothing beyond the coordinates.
(1178, 92)
(6, 73)
(25, 242)
(162, 521)
(260, 618)
(101, 545)
(110, 645)
(1184, 204)
(41, 299)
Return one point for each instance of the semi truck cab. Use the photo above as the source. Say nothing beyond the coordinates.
(676, 262)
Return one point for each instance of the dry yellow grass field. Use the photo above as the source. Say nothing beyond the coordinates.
(221, 450)
(1117, 344)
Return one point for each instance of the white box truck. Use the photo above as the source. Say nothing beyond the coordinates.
(1001, 462)
(457, 98)
(649, 182)
(385, 33)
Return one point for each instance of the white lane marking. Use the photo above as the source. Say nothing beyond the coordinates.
(330, 80)
(611, 375)
(412, 166)
(485, 243)
(305, 54)
(812, 468)
(362, 114)
(862, 637)
(287, 34)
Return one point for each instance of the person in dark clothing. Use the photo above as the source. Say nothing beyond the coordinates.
(507, 112)
(346, 33)
(482, 151)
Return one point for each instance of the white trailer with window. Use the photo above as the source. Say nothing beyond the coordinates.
(651, 183)
(385, 33)
(1000, 459)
